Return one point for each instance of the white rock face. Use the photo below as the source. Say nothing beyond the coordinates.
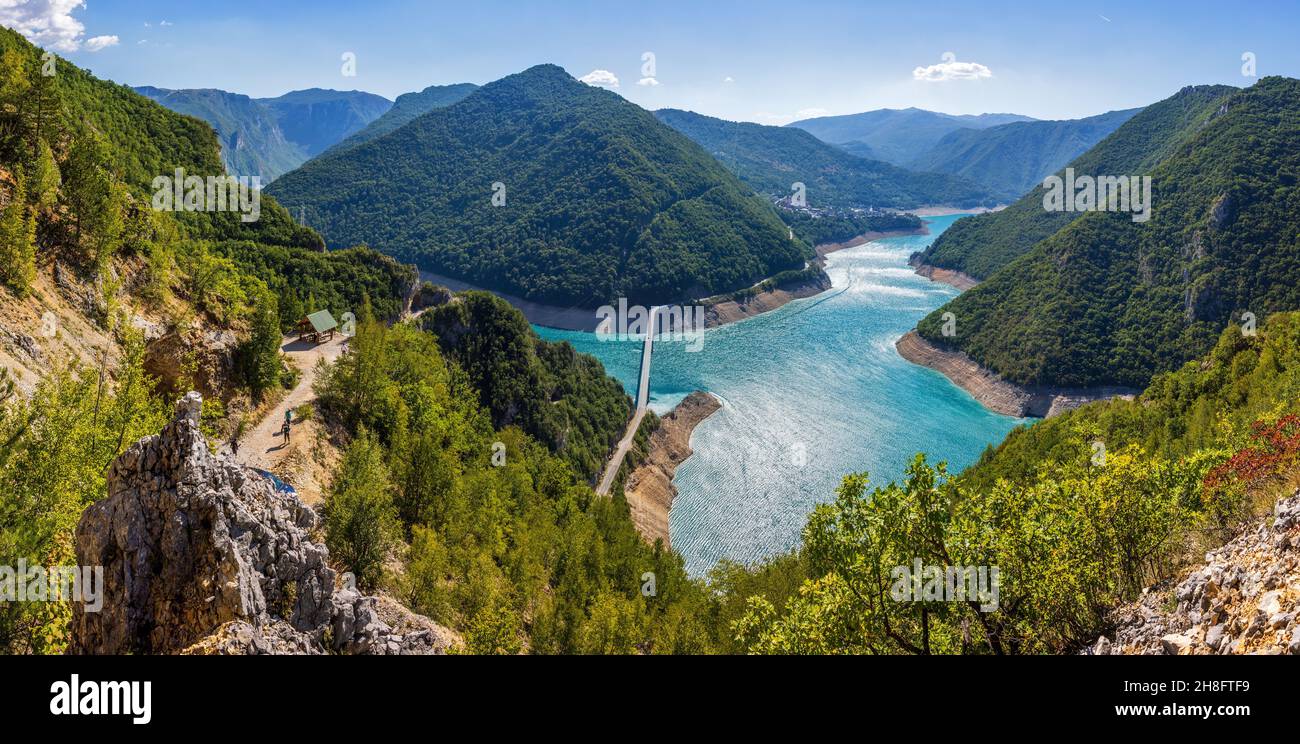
(1245, 600)
(201, 555)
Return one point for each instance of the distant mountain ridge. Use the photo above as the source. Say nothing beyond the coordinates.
(898, 136)
(408, 107)
(594, 199)
(770, 159)
(268, 137)
(316, 118)
(1011, 159)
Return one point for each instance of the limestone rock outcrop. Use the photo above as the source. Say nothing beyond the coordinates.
(201, 555)
(1245, 599)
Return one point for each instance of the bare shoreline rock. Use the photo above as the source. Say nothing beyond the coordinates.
(994, 392)
(730, 311)
(952, 278)
(649, 488)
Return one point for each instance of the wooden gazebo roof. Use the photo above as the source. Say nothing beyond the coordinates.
(320, 321)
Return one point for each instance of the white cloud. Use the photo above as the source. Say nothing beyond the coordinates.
(97, 43)
(166, 23)
(951, 69)
(810, 113)
(728, 79)
(600, 77)
(648, 82)
(50, 24)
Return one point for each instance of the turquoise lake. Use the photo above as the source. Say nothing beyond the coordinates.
(810, 392)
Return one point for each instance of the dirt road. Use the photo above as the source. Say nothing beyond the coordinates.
(262, 446)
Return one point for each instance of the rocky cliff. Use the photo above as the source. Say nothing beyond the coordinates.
(1245, 599)
(201, 555)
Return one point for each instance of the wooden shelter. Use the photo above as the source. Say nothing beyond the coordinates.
(318, 327)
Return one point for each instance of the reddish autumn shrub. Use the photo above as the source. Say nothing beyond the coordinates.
(1275, 448)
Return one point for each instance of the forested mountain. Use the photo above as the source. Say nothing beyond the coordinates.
(1011, 159)
(980, 245)
(771, 159)
(1107, 300)
(497, 534)
(86, 151)
(270, 136)
(898, 136)
(597, 199)
(407, 107)
(516, 554)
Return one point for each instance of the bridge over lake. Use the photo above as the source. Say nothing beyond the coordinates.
(642, 401)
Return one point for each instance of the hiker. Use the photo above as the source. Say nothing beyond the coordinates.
(285, 431)
(234, 445)
(288, 417)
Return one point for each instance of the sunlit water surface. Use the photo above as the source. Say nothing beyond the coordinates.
(809, 392)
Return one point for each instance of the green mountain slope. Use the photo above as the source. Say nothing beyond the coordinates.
(1011, 159)
(270, 136)
(981, 245)
(407, 108)
(560, 397)
(1242, 379)
(601, 200)
(770, 159)
(1110, 301)
(898, 136)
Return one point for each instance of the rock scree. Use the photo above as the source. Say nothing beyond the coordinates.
(201, 555)
(1245, 599)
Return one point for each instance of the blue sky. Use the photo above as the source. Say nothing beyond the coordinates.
(751, 60)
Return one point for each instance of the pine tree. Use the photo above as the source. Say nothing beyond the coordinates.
(18, 240)
(95, 198)
(43, 184)
(13, 93)
(360, 521)
(291, 310)
(261, 353)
